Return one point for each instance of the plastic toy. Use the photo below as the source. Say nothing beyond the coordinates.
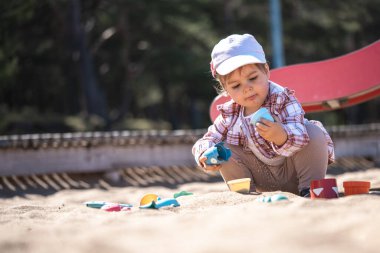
(115, 208)
(259, 114)
(324, 188)
(274, 198)
(182, 193)
(217, 154)
(148, 198)
(100, 204)
(241, 185)
(155, 202)
(356, 187)
(161, 203)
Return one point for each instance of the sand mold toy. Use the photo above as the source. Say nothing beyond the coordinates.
(262, 113)
(115, 208)
(356, 187)
(273, 198)
(241, 185)
(182, 193)
(324, 188)
(100, 204)
(155, 202)
(217, 154)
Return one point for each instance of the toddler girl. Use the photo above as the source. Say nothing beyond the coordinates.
(282, 155)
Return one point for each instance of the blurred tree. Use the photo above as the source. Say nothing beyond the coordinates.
(94, 98)
(110, 64)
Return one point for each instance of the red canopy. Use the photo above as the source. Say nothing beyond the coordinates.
(330, 84)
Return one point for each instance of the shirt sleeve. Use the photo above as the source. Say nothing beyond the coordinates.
(215, 134)
(292, 118)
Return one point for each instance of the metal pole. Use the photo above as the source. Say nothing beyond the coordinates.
(276, 31)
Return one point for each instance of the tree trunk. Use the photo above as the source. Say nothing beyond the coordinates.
(94, 99)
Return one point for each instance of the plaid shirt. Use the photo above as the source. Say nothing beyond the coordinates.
(232, 127)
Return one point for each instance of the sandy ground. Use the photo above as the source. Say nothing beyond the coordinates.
(211, 220)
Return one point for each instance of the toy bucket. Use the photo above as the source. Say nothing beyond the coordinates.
(241, 185)
(324, 188)
(356, 187)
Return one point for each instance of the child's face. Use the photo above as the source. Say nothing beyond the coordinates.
(248, 86)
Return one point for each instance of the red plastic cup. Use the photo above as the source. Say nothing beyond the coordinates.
(356, 187)
(324, 188)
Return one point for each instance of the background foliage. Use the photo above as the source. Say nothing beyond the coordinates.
(71, 65)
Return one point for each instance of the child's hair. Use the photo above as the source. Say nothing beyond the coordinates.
(221, 80)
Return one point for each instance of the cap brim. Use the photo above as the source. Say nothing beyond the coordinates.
(233, 63)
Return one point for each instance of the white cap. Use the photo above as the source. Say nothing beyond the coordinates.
(235, 51)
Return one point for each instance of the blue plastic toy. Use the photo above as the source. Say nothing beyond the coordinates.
(261, 113)
(217, 154)
(99, 204)
(161, 203)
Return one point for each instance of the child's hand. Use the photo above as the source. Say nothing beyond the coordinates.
(272, 131)
(206, 167)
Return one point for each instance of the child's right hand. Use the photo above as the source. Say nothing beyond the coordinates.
(206, 167)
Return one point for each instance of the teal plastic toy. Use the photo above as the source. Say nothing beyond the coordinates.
(217, 154)
(182, 193)
(274, 198)
(259, 114)
(161, 203)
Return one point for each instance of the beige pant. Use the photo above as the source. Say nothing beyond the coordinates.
(310, 163)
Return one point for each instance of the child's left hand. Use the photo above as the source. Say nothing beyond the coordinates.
(208, 168)
(272, 131)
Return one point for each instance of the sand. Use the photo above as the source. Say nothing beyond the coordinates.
(211, 220)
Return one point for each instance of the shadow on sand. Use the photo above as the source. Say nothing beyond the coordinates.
(170, 177)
